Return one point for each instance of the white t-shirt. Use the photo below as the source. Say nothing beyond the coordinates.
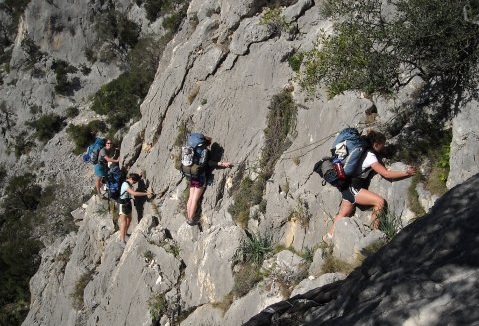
(369, 160)
(124, 194)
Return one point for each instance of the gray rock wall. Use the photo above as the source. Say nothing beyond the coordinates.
(219, 74)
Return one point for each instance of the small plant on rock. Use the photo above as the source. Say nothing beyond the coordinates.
(275, 21)
(389, 223)
(255, 249)
(157, 305)
(148, 255)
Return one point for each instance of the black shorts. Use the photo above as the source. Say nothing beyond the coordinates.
(349, 194)
(350, 191)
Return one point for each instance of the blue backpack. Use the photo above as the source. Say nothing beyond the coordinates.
(92, 152)
(193, 155)
(114, 180)
(350, 149)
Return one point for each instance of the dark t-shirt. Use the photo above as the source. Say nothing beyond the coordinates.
(104, 152)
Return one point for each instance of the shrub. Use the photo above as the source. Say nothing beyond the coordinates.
(281, 126)
(47, 126)
(376, 52)
(157, 305)
(335, 265)
(308, 254)
(295, 61)
(173, 21)
(249, 194)
(7, 116)
(35, 109)
(120, 99)
(23, 144)
(62, 69)
(413, 196)
(84, 135)
(274, 20)
(148, 255)
(72, 112)
(33, 51)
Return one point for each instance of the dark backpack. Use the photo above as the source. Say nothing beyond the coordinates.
(325, 169)
(92, 153)
(350, 149)
(114, 180)
(193, 155)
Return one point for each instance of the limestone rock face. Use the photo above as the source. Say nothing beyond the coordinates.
(218, 76)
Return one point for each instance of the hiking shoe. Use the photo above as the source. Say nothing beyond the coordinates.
(190, 222)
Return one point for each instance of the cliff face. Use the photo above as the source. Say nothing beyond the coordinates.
(219, 76)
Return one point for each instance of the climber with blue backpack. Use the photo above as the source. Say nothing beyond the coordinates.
(353, 159)
(105, 155)
(194, 166)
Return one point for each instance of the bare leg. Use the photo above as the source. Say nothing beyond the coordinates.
(369, 198)
(193, 200)
(122, 220)
(345, 210)
(98, 185)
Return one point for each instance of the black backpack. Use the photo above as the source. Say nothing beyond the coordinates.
(115, 178)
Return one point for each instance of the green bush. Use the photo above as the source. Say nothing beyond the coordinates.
(72, 112)
(277, 23)
(23, 144)
(173, 21)
(249, 194)
(157, 305)
(84, 135)
(376, 52)
(295, 61)
(120, 99)
(62, 69)
(47, 126)
(33, 51)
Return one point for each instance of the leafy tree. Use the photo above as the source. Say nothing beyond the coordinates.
(378, 48)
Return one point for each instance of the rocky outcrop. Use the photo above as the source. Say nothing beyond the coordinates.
(434, 286)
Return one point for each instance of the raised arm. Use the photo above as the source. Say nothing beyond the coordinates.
(137, 193)
(385, 173)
